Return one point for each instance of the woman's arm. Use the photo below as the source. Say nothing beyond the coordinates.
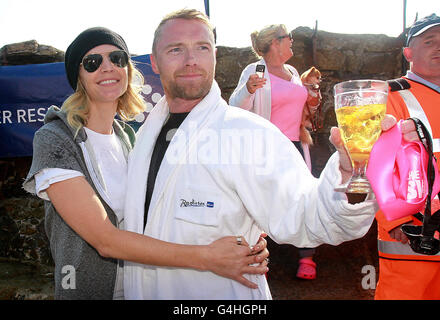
(241, 97)
(82, 210)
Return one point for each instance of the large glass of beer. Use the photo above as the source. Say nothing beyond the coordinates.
(360, 106)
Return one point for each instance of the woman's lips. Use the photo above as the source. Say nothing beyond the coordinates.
(108, 82)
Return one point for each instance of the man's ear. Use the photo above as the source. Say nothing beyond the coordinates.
(407, 52)
(154, 64)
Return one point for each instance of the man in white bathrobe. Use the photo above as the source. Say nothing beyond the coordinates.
(201, 170)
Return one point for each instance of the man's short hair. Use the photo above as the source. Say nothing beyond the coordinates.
(187, 14)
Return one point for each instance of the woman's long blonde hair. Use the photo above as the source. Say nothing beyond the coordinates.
(129, 104)
(261, 40)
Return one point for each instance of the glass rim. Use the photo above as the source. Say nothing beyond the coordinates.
(346, 85)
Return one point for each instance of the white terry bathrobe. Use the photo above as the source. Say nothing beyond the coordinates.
(229, 172)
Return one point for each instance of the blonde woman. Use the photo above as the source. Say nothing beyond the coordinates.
(80, 168)
(280, 97)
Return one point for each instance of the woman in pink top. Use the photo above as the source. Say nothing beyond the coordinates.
(278, 95)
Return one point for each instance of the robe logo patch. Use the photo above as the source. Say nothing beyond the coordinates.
(197, 204)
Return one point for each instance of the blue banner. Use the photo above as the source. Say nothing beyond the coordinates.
(26, 92)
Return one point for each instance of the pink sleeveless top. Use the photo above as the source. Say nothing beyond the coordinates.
(288, 98)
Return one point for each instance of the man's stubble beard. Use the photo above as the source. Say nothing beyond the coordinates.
(194, 91)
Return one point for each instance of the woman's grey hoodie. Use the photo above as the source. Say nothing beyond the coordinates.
(80, 272)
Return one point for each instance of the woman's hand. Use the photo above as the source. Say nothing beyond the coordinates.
(260, 252)
(227, 258)
(255, 82)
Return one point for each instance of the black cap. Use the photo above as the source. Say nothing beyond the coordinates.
(84, 42)
(421, 26)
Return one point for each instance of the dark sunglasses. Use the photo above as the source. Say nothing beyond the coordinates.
(92, 62)
(285, 36)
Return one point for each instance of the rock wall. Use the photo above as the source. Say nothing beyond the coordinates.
(338, 56)
(29, 52)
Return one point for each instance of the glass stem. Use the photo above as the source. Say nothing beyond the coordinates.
(359, 168)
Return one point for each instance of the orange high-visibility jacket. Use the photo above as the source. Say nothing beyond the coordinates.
(404, 274)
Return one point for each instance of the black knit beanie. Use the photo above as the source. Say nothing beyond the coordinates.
(86, 41)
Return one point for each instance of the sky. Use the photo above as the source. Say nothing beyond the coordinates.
(57, 23)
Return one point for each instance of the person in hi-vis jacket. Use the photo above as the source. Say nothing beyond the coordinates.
(201, 169)
(403, 273)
